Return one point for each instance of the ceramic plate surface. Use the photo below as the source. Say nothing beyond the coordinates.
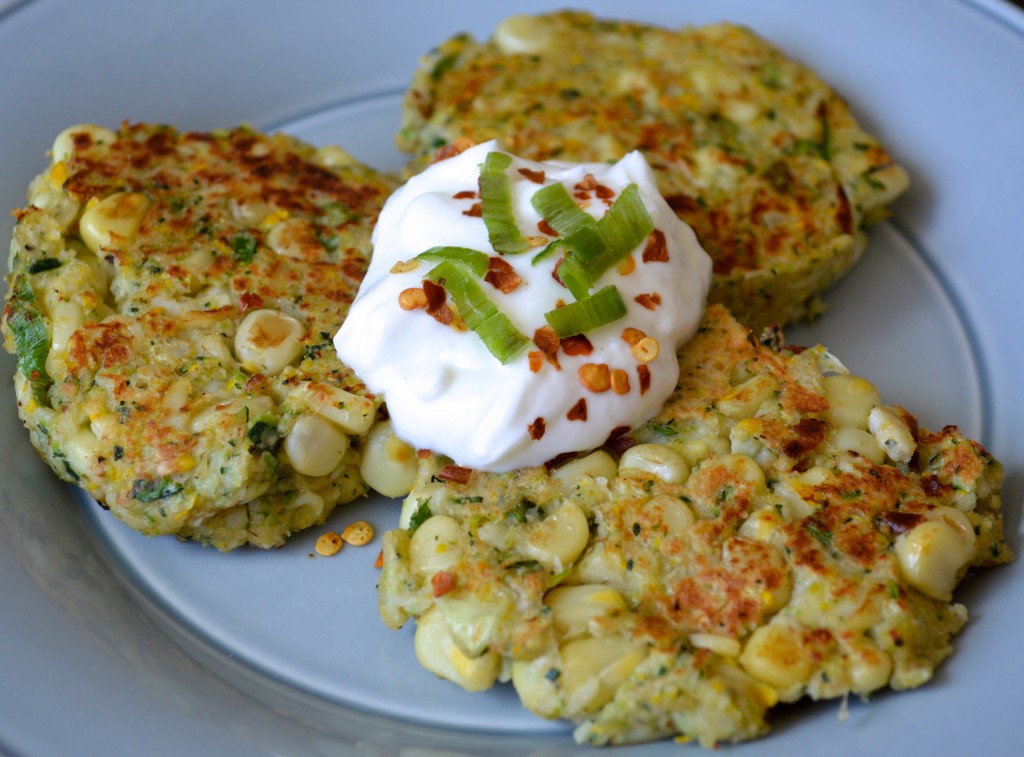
(113, 643)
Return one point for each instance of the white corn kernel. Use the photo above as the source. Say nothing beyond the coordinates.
(657, 459)
(859, 441)
(892, 433)
(744, 468)
(295, 238)
(744, 400)
(315, 446)
(435, 545)
(388, 465)
(352, 413)
(240, 411)
(437, 651)
(113, 221)
(522, 34)
(932, 554)
(761, 524)
(596, 465)
(775, 655)
(177, 395)
(332, 156)
(560, 538)
(868, 666)
(64, 144)
(66, 319)
(574, 607)
(850, 399)
(594, 668)
(268, 341)
(722, 645)
(676, 516)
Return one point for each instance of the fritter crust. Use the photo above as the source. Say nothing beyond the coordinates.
(752, 149)
(134, 378)
(801, 548)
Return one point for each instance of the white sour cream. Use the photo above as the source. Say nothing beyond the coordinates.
(445, 391)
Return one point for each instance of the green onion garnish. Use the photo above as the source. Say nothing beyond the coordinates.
(556, 206)
(481, 315)
(496, 206)
(475, 260)
(594, 246)
(585, 315)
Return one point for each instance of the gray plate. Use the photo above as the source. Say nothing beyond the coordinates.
(112, 643)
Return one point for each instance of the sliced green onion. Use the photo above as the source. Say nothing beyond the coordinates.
(556, 206)
(585, 315)
(481, 315)
(626, 224)
(496, 205)
(31, 340)
(475, 260)
(548, 250)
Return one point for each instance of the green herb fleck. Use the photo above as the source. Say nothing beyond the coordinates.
(420, 515)
(46, 264)
(244, 245)
(150, 490)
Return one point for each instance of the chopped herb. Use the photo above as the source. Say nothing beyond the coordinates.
(46, 264)
(636, 529)
(420, 515)
(150, 490)
(31, 341)
(821, 535)
(552, 674)
(244, 245)
(118, 452)
(264, 436)
(662, 429)
(518, 513)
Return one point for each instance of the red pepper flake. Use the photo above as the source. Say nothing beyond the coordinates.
(459, 146)
(558, 460)
(644, 374)
(436, 295)
(588, 182)
(443, 315)
(442, 582)
(545, 228)
(656, 250)
(455, 473)
(475, 211)
(578, 412)
(583, 196)
(537, 177)
(649, 301)
(250, 301)
(603, 192)
(547, 342)
(465, 194)
(436, 306)
(619, 439)
(537, 429)
(577, 345)
(423, 454)
(631, 336)
(536, 360)
(554, 271)
(380, 560)
(502, 276)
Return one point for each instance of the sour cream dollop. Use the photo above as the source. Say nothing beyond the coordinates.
(447, 393)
